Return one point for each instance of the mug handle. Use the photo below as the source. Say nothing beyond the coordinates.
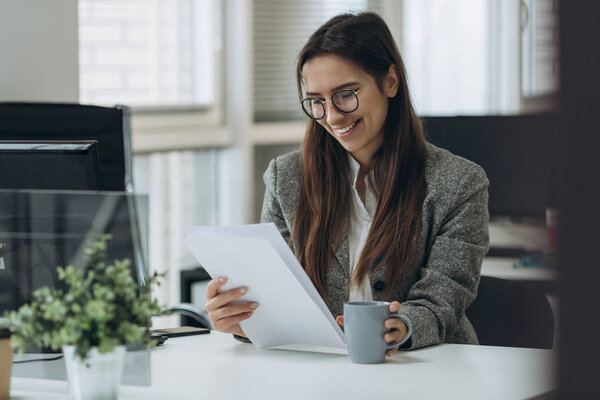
(406, 320)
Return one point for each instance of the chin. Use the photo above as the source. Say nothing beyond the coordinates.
(350, 148)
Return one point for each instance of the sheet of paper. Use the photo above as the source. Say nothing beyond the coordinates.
(291, 310)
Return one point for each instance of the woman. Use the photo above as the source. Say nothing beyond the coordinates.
(371, 210)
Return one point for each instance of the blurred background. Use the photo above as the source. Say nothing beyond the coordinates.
(211, 85)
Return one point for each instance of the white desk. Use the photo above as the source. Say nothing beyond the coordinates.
(500, 267)
(215, 366)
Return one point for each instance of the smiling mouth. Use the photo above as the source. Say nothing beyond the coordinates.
(346, 129)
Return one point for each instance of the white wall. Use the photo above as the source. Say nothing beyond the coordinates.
(236, 163)
(39, 51)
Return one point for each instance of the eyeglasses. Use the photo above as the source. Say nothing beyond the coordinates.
(345, 101)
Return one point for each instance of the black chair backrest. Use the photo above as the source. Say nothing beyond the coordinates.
(517, 152)
(54, 121)
(511, 313)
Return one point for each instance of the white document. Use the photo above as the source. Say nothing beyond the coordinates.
(291, 310)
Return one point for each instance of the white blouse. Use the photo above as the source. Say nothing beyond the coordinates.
(361, 217)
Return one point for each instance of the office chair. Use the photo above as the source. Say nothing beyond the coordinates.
(511, 313)
(109, 126)
(197, 315)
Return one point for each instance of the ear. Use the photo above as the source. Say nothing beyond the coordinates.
(391, 83)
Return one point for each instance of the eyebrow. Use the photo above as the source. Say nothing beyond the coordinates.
(335, 89)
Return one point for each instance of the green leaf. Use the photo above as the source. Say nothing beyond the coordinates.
(102, 307)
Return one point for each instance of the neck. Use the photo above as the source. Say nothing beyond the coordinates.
(364, 162)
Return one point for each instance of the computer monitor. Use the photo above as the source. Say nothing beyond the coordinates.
(108, 126)
(58, 165)
(517, 152)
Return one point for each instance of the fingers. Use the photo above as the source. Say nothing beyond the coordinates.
(394, 307)
(230, 324)
(233, 309)
(212, 289)
(224, 298)
(225, 316)
(340, 320)
(398, 330)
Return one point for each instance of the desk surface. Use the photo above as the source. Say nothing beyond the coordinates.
(215, 366)
(500, 267)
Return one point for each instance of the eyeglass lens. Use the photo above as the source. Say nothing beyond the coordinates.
(344, 100)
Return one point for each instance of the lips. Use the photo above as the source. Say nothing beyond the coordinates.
(346, 130)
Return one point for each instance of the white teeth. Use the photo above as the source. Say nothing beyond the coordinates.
(346, 129)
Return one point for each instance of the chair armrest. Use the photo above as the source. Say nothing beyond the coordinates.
(192, 311)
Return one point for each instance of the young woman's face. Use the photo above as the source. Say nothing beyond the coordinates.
(359, 132)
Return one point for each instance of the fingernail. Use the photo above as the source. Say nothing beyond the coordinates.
(222, 279)
(243, 290)
(254, 305)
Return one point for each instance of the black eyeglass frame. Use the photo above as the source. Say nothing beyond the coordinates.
(322, 102)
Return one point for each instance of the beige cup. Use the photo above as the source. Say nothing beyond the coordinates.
(6, 357)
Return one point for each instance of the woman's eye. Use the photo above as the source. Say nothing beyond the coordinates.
(345, 95)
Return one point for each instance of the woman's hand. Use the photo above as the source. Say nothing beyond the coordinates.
(397, 328)
(224, 316)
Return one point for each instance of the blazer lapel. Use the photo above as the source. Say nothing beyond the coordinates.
(343, 256)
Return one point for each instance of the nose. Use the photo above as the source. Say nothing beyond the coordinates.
(332, 114)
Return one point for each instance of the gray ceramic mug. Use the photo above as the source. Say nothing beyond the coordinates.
(364, 328)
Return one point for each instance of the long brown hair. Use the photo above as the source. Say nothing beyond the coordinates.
(323, 202)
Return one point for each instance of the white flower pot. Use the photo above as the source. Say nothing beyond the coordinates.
(96, 378)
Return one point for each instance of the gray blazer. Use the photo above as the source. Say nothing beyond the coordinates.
(442, 277)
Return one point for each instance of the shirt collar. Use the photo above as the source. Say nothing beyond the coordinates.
(354, 168)
(371, 189)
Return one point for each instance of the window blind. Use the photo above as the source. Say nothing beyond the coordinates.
(183, 189)
(149, 52)
(539, 21)
(280, 29)
(446, 51)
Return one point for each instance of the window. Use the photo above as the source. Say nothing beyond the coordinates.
(480, 56)
(149, 52)
(183, 191)
(446, 50)
(281, 28)
(539, 47)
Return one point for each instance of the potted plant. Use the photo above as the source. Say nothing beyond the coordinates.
(101, 310)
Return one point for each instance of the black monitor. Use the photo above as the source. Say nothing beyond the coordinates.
(58, 165)
(108, 126)
(517, 153)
